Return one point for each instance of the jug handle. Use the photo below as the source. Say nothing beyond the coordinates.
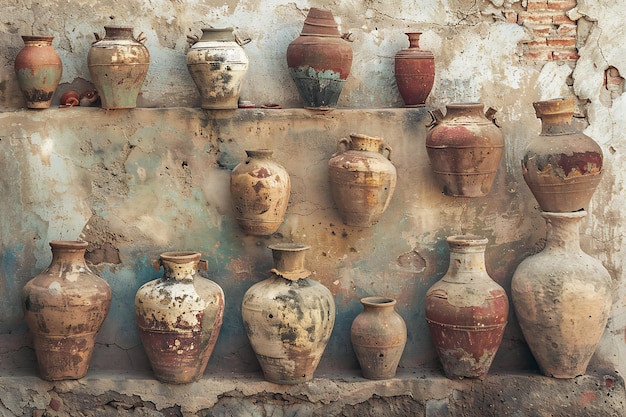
(345, 142)
(192, 39)
(491, 115)
(436, 117)
(141, 37)
(242, 42)
(203, 265)
(97, 36)
(388, 149)
(156, 264)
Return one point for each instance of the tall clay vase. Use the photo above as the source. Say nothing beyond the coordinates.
(465, 147)
(561, 165)
(414, 72)
(362, 179)
(38, 69)
(466, 311)
(288, 318)
(319, 60)
(217, 63)
(64, 307)
(179, 317)
(378, 336)
(260, 189)
(562, 298)
(118, 65)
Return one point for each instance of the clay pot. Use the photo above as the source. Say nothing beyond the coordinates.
(464, 148)
(64, 307)
(38, 69)
(179, 317)
(378, 336)
(319, 60)
(218, 64)
(414, 72)
(466, 311)
(362, 180)
(118, 65)
(288, 318)
(561, 165)
(260, 190)
(562, 299)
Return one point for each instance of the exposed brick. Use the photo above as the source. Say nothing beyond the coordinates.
(510, 16)
(542, 31)
(562, 19)
(562, 42)
(537, 18)
(561, 4)
(566, 55)
(566, 31)
(539, 53)
(537, 5)
(537, 42)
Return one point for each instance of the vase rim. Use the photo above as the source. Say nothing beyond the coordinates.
(263, 151)
(68, 244)
(180, 257)
(467, 239)
(465, 105)
(564, 214)
(225, 29)
(35, 38)
(378, 301)
(554, 106)
(289, 247)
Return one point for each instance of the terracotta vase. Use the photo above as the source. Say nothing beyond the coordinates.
(562, 299)
(118, 65)
(362, 179)
(64, 307)
(260, 190)
(464, 147)
(288, 318)
(38, 69)
(466, 311)
(319, 60)
(179, 317)
(217, 63)
(378, 336)
(561, 165)
(414, 72)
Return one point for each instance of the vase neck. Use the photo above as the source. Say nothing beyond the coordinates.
(37, 40)
(414, 39)
(377, 304)
(562, 230)
(180, 266)
(260, 153)
(68, 255)
(557, 124)
(467, 258)
(365, 143)
(112, 32)
(289, 260)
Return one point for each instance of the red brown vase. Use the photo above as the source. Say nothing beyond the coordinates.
(465, 147)
(561, 165)
(414, 72)
(118, 64)
(362, 179)
(466, 311)
(319, 60)
(260, 188)
(562, 299)
(378, 336)
(288, 318)
(38, 68)
(179, 317)
(64, 307)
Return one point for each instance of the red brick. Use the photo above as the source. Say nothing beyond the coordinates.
(561, 4)
(538, 55)
(562, 42)
(542, 31)
(536, 42)
(537, 5)
(566, 31)
(565, 55)
(537, 18)
(510, 16)
(561, 19)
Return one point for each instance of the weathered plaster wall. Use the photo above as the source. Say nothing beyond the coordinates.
(138, 182)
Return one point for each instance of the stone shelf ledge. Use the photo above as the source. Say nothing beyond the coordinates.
(416, 393)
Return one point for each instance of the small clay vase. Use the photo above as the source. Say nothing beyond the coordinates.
(562, 299)
(414, 72)
(260, 189)
(288, 318)
(319, 61)
(38, 68)
(362, 179)
(466, 311)
(465, 148)
(378, 336)
(118, 64)
(64, 307)
(561, 166)
(179, 317)
(218, 64)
